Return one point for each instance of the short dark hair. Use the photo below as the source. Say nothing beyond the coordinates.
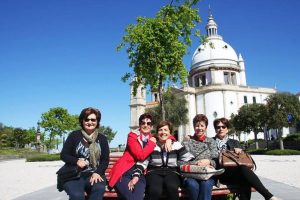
(165, 123)
(200, 118)
(144, 116)
(86, 112)
(223, 120)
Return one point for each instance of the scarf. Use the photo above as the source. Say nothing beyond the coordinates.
(95, 151)
(201, 138)
(222, 144)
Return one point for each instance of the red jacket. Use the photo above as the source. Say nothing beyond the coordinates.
(134, 152)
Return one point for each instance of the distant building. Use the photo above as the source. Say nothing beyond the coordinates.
(217, 85)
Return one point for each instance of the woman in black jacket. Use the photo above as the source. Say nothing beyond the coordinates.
(88, 149)
(240, 175)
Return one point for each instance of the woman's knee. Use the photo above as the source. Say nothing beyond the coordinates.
(207, 183)
(191, 183)
(100, 186)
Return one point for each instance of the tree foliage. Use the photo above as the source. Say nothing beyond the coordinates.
(6, 134)
(19, 137)
(57, 121)
(15, 137)
(30, 135)
(108, 132)
(251, 117)
(175, 107)
(156, 46)
(280, 106)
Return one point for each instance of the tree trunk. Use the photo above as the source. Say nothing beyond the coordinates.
(161, 99)
(256, 142)
(281, 143)
(280, 139)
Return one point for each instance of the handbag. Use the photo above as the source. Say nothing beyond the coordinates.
(229, 158)
(67, 173)
(198, 172)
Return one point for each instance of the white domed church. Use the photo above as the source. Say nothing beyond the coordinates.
(217, 85)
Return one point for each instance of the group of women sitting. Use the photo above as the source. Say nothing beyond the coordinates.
(150, 163)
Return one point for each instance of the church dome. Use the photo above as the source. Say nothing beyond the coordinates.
(215, 51)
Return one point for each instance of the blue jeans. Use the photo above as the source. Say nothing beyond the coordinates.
(198, 189)
(76, 188)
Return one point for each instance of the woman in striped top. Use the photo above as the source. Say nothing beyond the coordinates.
(162, 168)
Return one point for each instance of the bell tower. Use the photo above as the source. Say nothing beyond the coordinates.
(137, 105)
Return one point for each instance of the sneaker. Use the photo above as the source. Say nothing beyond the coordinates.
(274, 198)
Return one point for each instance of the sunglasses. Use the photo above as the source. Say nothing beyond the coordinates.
(88, 119)
(146, 123)
(219, 127)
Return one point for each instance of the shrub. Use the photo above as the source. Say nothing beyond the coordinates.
(283, 152)
(292, 137)
(43, 157)
(257, 151)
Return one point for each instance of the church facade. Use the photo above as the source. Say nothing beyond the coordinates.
(217, 85)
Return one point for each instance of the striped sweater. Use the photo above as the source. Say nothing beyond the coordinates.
(160, 159)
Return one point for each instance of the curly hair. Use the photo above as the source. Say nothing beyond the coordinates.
(200, 118)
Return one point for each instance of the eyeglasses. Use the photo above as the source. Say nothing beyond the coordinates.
(146, 123)
(219, 127)
(90, 119)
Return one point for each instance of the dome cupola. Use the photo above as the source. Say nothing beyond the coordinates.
(214, 51)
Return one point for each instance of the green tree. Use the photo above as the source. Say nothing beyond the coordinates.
(57, 122)
(6, 137)
(30, 135)
(251, 117)
(108, 132)
(19, 137)
(232, 130)
(284, 111)
(175, 108)
(156, 46)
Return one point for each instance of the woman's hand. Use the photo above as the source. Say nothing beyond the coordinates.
(132, 183)
(203, 162)
(81, 163)
(153, 139)
(95, 178)
(238, 150)
(168, 145)
(187, 137)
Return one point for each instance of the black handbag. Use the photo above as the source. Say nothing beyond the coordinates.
(67, 173)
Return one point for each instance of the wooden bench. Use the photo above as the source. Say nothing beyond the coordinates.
(222, 190)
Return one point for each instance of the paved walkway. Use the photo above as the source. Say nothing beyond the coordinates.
(283, 191)
(37, 180)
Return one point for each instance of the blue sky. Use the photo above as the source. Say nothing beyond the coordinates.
(63, 52)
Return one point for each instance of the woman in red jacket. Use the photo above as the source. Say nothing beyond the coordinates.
(140, 144)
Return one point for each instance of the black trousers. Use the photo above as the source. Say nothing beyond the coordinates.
(157, 181)
(245, 178)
